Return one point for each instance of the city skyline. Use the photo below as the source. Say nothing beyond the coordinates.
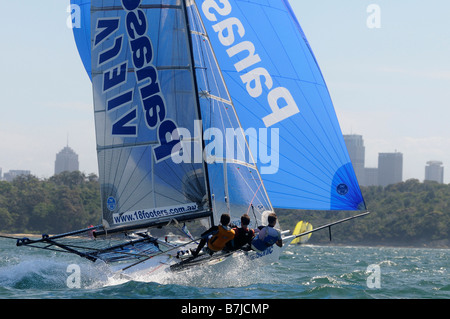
(383, 84)
(67, 160)
(389, 169)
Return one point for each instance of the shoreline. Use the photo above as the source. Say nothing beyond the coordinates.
(381, 246)
(438, 244)
(16, 236)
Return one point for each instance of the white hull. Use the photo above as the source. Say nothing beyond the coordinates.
(161, 264)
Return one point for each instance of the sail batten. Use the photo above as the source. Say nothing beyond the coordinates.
(214, 97)
(127, 145)
(142, 6)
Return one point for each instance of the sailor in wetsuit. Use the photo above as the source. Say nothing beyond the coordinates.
(216, 237)
(267, 235)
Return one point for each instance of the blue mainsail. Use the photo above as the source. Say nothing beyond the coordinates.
(272, 80)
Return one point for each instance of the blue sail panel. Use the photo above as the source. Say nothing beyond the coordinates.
(275, 84)
(81, 20)
(235, 184)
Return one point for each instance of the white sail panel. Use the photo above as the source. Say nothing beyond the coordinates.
(143, 94)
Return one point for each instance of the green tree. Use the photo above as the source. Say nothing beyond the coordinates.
(6, 219)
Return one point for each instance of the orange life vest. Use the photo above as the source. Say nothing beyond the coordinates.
(219, 240)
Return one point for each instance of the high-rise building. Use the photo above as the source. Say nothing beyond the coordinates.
(357, 152)
(9, 176)
(434, 171)
(66, 160)
(390, 168)
(371, 176)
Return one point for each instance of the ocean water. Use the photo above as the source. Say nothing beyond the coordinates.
(303, 272)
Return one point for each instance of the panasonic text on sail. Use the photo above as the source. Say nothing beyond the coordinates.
(149, 102)
(255, 78)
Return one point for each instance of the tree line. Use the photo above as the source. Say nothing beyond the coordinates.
(64, 202)
(410, 213)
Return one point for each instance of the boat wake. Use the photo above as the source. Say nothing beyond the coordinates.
(233, 272)
(56, 272)
(50, 271)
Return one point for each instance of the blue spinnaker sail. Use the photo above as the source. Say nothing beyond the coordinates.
(81, 25)
(275, 83)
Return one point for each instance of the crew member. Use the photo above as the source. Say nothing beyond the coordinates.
(267, 236)
(216, 237)
(243, 235)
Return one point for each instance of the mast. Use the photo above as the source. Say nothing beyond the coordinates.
(247, 185)
(197, 101)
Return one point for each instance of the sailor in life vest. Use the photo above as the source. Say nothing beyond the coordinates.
(267, 235)
(216, 237)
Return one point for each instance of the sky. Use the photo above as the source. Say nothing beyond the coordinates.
(388, 73)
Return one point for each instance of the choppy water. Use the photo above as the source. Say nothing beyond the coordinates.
(302, 272)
